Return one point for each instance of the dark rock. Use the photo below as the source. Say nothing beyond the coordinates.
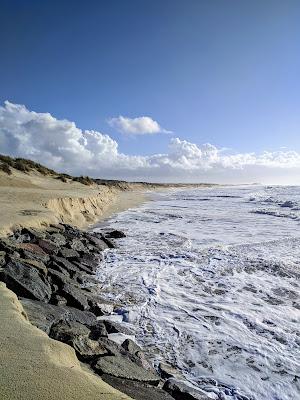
(166, 371)
(58, 300)
(61, 264)
(68, 253)
(130, 346)
(90, 260)
(48, 246)
(115, 234)
(98, 331)
(77, 245)
(77, 335)
(83, 268)
(100, 308)
(58, 239)
(2, 258)
(45, 315)
(33, 251)
(115, 327)
(122, 367)
(25, 281)
(181, 391)
(136, 390)
(58, 278)
(99, 243)
(34, 234)
(75, 296)
(8, 245)
(112, 347)
(39, 265)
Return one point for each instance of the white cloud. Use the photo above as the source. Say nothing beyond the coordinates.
(136, 126)
(61, 145)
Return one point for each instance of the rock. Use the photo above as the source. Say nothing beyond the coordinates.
(56, 227)
(48, 246)
(68, 253)
(75, 296)
(39, 265)
(98, 331)
(98, 242)
(45, 315)
(130, 346)
(100, 308)
(112, 347)
(136, 390)
(77, 245)
(166, 371)
(90, 260)
(115, 234)
(2, 258)
(58, 278)
(34, 234)
(181, 391)
(25, 281)
(8, 245)
(122, 367)
(58, 300)
(58, 239)
(77, 335)
(61, 264)
(33, 251)
(83, 268)
(115, 327)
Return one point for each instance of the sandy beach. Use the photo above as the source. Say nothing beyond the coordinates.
(34, 200)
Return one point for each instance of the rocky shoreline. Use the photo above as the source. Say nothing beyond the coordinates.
(53, 274)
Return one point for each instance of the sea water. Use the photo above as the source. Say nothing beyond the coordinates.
(209, 279)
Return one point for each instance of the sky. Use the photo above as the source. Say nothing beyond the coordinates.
(157, 90)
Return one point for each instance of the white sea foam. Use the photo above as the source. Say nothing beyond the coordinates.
(211, 283)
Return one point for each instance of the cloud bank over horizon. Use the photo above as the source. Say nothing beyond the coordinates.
(61, 145)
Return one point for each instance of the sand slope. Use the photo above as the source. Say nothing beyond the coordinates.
(33, 366)
(35, 200)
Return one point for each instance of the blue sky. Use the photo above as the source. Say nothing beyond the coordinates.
(224, 72)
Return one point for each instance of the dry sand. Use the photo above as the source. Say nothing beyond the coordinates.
(35, 367)
(33, 200)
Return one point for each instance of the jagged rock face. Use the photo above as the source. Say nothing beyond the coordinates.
(181, 391)
(25, 281)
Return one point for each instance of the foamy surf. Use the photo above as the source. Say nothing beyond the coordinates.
(212, 288)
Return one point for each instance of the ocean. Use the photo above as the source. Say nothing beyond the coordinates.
(208, 280)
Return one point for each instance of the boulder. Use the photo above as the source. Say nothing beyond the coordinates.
(39, 265)
(8, 245)
(100, 308)
(34, 234)
(77, 244)
(75, 296)
(180, 390)
(98, 331)
(166, 371)
(77, 335)
(130, 346)
(68, 253)
(122, 367)
(58, 239)
(136, 390)
(99, 243)
(48, 246)
(33, 251)
(61, 264)
(115, 327)
(45, 315)
(115, 234)
(25, 281)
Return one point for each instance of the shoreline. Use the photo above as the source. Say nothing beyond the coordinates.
(37, 242)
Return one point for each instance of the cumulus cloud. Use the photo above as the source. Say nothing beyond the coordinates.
(136, 126)
(61, 145)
